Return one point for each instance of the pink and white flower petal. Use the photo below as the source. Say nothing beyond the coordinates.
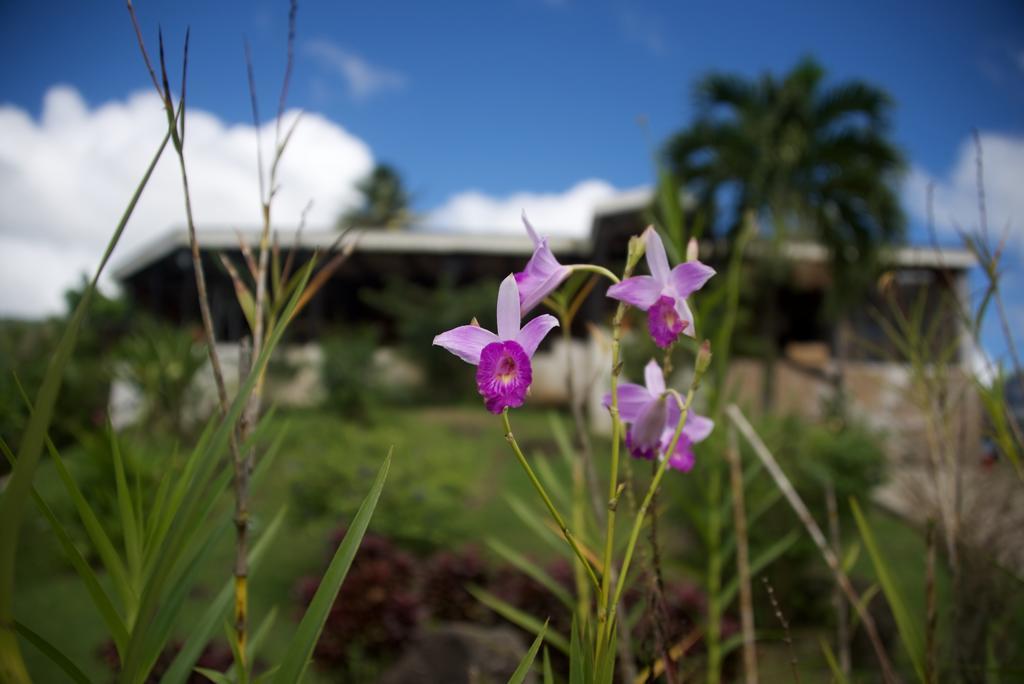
(697, 427)
(508, 309)
(542, 276)
(690, 276)
(657, 260)
(537, 240)
(654, 378)
(466, 342)
(685, 316)
(648, 426)
(639, 291)
(632, 399)
(682, 458)
(530, 337)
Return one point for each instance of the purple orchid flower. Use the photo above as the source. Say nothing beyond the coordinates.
(652, 417)
(504, 372)
(663, 293)
(542, 275)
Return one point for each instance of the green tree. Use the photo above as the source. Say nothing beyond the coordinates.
(811, 161)
(384, 204)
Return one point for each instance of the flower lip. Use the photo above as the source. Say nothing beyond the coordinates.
(665, 323)
(504, 375)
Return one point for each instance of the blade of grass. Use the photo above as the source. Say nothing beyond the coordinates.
(527, 662)
(519, 618)
(910, 636)
(52, 652)
(300, 649)
(129, 524)
(532, 570)
(837, 672)
(102, 601)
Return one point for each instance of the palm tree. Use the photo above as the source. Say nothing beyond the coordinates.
(385, 202)
(806, 160)
(809, 161)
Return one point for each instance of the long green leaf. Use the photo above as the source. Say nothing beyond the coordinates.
(202, 630)
(300, 649)
(260, 635)
(94, 529)
(19, 485)
(532, 570)
(527, 662)
(837, 673)
(549, 676)
(214, 676)
(519, 618)
(535, 523)
(905, 624)
(52, 652)
(129, 525)
(99, 596)
(581, 666)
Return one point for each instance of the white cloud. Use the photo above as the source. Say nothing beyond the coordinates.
(567, 213)
(956, 194)
(363, 79)
(66, 178)
(645, 30)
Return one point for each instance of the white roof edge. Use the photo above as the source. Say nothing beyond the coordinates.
(908, 255)
(369, 239)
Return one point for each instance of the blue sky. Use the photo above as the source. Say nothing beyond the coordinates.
(486, 105)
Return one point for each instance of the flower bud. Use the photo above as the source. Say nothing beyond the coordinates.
(692, 249)
(703, 358)
(637, 248)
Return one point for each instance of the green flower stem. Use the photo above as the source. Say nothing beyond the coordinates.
(684, 409)
(510, 438)
(593, 268)
(604, 625)
(604, 608)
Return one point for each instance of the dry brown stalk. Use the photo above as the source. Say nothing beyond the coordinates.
(786, 636)
(739, 514)
(831, 559)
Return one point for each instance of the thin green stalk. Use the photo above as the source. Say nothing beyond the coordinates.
(684, 409)
(579, 485)
(569, 537)
(605, 608)
(593, 268)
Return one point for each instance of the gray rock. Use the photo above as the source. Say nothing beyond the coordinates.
(460, 653)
